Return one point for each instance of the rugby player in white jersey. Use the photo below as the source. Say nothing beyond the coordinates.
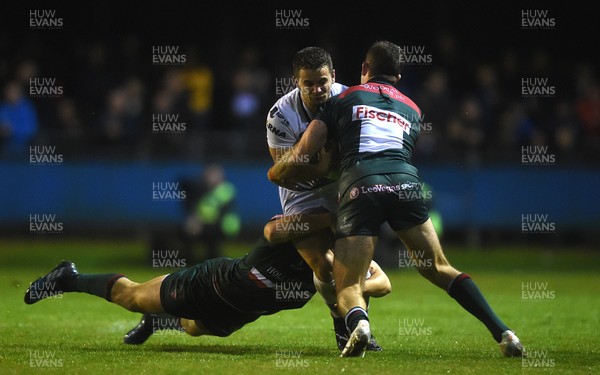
(286, 122)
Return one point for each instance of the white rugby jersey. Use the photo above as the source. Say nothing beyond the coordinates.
(286, 122)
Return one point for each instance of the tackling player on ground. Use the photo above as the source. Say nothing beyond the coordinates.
(376, 128)
(215, 297)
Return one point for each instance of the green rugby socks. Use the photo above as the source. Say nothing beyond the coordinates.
(97, 285)
(467, 294)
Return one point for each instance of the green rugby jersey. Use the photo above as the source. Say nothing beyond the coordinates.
(376, 127)
(270, 278)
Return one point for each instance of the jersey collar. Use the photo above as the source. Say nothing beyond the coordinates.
(305, 114)
(381, 80)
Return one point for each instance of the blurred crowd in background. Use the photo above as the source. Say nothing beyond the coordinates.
(474, 107)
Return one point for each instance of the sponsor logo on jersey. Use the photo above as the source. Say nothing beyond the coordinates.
(276, 112)
(275, 131)
(354, 193)
(365, 112)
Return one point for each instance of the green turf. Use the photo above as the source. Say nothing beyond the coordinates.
(81, 334)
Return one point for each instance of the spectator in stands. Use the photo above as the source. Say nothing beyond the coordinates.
(198, 80)
(465, 132)
(118, 124)
(18, 121)
(437, 105)
(70, 133)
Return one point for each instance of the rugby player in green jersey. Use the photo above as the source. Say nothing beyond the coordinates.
(376, 128)
(215, 297)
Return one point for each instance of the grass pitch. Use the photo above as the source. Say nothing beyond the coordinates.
(549, 298)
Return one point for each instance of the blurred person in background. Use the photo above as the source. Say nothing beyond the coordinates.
(465, 133)
(18, 121)
(118, 125)
(198, 79)
(587, 107)
(166, 143)
(93, 78)
(490, 101)
(437, 106)
(250, 82)
(516, 128)
(566, 131)
(211, 217)
(69, 131)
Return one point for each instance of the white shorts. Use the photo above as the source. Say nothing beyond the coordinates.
(296, 202)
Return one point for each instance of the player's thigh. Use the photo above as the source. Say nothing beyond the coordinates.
(423, 243)
(194, 327)
(314, 246)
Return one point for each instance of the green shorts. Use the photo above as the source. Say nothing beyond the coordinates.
(190, 294)
(396, 198)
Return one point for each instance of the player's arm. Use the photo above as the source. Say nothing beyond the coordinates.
(285, 228)
(295, 165)
(378, 285)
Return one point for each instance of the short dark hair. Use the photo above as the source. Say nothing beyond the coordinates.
(385, 58)
(311, 58)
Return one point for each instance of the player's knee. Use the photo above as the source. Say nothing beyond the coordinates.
(192, 330)
(269, 232)
(386, 289)
(445, 269)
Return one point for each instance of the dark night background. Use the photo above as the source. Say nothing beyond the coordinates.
(470, 92)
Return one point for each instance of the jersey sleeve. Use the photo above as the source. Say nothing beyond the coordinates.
(279, 132)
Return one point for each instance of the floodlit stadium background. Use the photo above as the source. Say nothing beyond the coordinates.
(511, 98)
